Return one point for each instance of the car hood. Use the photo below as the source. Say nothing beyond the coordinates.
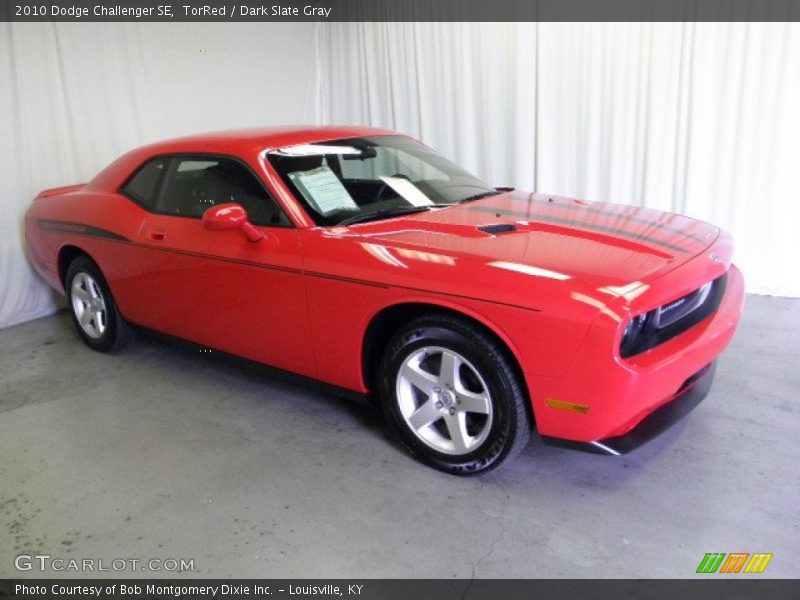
(612, 246)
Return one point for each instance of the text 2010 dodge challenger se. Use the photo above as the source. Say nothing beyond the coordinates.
(360, 258)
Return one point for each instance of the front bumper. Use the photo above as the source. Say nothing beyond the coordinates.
(693, 391)
(625, 402)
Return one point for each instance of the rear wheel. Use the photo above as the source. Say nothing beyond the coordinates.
(451, 394)
(93, 309)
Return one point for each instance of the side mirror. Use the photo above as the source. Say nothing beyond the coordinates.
(223, 217)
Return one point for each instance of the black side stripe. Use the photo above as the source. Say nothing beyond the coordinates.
(608, 213)
(237, 261)
(89, 231)
(518, 214)
(86, 230)
(79, 229)
(319, 275)
(259, 265)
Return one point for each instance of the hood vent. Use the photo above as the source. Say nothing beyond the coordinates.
(497, 228)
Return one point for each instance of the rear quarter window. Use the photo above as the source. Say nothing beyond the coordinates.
(142, 187)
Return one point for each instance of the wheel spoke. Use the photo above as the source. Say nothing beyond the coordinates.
(424, 382)
(472, 402)
(80, 293)
(457, 428)
(86, 318)
(424, 415)
(448, 374)
(92, 286)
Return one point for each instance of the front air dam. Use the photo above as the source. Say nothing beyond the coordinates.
(689, 395)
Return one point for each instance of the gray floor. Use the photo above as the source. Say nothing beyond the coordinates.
(162, 453)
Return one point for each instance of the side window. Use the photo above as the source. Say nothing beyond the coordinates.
(143, 185)
(194, 184)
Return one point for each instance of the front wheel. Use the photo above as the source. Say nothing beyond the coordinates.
(452, 395)
(94, 312)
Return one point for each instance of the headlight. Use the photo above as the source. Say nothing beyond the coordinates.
(630, 337)
(655, 327)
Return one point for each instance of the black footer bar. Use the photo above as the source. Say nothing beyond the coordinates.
(703, 587)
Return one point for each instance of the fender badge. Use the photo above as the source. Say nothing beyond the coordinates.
(715, 258)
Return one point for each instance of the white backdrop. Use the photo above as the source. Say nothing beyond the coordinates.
(697, 118)
(75, 96)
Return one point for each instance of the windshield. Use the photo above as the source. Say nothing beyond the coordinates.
(359, 179)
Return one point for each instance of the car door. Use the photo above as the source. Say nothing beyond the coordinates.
(216, 288)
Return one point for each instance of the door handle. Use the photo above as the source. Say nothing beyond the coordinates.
(158, 235)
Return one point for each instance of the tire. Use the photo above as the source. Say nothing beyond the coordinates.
(94, 312)
(466, 418)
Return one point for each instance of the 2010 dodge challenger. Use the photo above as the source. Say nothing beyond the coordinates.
(360, 258)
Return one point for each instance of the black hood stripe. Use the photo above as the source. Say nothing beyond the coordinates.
(518, 214)
(594, 210)
(80, 229)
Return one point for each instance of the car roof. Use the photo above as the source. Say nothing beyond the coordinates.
(264, 138)
(243, 143)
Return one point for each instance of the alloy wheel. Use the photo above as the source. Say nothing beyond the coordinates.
(89, 305)
(444, 400)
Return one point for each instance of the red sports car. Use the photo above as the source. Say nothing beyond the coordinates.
(360, 258)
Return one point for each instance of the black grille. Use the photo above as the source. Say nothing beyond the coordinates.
(671, 310)
(676, 310)
(675, 317)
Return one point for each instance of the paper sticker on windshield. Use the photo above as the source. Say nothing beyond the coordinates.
(407, 190)
(323, 190)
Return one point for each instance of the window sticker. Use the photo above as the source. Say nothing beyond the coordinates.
(407, 190)
(323, 190)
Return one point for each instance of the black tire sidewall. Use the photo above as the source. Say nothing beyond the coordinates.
(483, 357)
(105, 342)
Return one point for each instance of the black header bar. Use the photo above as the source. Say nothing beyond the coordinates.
(398, 10)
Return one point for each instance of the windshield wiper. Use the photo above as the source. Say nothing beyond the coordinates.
(479, 196)
(387, 213)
